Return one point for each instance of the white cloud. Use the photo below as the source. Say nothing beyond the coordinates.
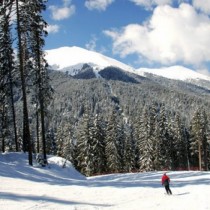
(150, 3)
(203, 5)
(60, 13)
(91, 45)
(204, 71)
(52, 28)
(171, 35)
(98, 4)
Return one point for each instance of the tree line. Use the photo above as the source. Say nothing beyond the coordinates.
(23, 69)
(154, 140)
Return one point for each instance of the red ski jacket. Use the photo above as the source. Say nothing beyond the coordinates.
(165, 178)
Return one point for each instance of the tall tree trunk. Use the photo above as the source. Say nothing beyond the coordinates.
(43, 130)
(26, 129)
(13, 111)
(37, 129)
(2, 125)
(199, 155)
(205, 155)
(41, 100)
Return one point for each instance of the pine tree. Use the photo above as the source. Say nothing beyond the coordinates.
(50, 142)
(84, 145)
(129, 150)
(98, 146)
(171, 145)
(7, 62)
(206, 140)
(22, 58)
(200, 138)
(36, 27)
(121, 142)
(111, 146)
(59, 142)
(163, 140)
(147, 142)
(67, 141)
(180, 143)
(136, 128)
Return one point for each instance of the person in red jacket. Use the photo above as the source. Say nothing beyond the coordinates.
(165, 183)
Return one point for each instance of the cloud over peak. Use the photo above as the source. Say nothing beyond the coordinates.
(171, 35)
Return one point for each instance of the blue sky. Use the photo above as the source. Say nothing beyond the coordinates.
(141, 33)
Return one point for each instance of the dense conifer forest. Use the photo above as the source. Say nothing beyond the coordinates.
(106, 126)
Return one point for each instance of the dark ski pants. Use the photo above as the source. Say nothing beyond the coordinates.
(168, 190)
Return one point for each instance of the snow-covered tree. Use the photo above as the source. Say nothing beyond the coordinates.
(129, 150)
(163, 140)
(180, 143)
(147, 142)
(84, 145)
(7, 69)
(200, 138)
(111, 141)
(98, 145)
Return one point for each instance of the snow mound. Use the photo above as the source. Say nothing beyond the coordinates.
(15, 165)
(62, 165)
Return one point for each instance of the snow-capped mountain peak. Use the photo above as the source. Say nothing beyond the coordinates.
(174, 72)
(72, 59)
(66, 57)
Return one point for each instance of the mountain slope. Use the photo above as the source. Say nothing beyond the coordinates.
(65, 57)
(85, 64)
(174, 72)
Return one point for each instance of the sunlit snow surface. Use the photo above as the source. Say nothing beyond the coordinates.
(66, 57)
(55, 188)
(73, 58)
(174, 72)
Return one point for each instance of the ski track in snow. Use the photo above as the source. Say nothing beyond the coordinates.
(56, 188)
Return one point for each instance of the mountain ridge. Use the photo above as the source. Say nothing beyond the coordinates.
(72, 60)
(77, 57)
(175, 72)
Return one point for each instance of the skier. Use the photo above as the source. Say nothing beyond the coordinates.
(165, 183)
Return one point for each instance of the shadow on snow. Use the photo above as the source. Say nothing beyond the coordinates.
(42, 198)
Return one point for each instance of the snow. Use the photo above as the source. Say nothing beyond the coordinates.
(72, 59)
(174, 72)
(56, 188)
(65, 57)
